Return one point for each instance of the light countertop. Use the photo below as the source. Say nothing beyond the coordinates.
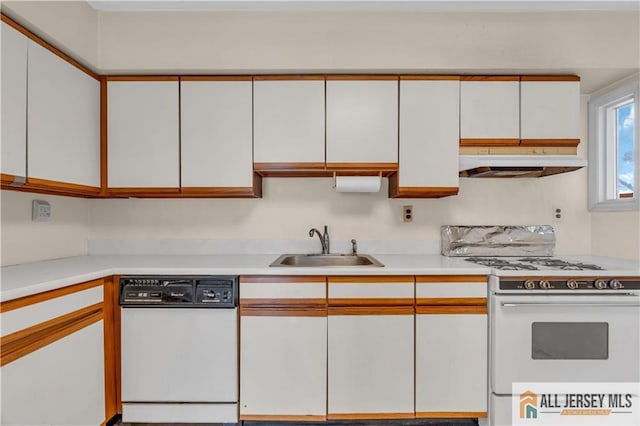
(26, 279)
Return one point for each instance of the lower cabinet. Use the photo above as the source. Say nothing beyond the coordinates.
(451, 361)
(370, 355)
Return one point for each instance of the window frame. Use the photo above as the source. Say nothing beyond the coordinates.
(603, 156)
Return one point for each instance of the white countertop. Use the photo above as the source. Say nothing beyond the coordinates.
(23, 280)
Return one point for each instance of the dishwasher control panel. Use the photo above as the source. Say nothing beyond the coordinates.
(181, 291)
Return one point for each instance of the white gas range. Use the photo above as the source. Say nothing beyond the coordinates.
(558, 320)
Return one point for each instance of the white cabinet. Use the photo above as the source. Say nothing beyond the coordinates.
(283, 348)
(451, 362)
(216, 133)
(59, 384)
(550, 109)
(490, 108)
(429, 136)
(14, 102)
(143, 134)
(289, 122)
(63, 120)
(362, 121)
(370, 347)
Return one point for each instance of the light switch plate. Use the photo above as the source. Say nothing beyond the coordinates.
(41, 211)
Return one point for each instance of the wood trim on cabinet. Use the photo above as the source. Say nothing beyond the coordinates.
(450, 414)
(291, 170)
(282, 417)
(104, 150)
(452, 301)
(117, 313)
(460, 279)
(369, 416)
(62, 187)
(143, 192)
(283, 303)
(51, 48)
(216, 78)
(489, 142)
(371, 310)
(490, 78)
(142, 78)
(418, 191)
(283, 312)
(518, 150)
(436, 310)
(110, 382)
(429, 77)
(48, 191)
(359, 168)
(11, 180)
(334, 77)
(550, 142)
(21, 302)
(218, 192)
(23, 342)
(370, 301)
(276, 279)
(284, 77)
(549, 78)
(368, 279)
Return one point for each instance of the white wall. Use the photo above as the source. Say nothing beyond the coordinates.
(23, 240)
(71, 25)
(616, 234)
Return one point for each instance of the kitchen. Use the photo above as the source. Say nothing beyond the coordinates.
(298, 41)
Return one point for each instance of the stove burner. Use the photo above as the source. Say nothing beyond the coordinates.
(551, 262)
(500, 264)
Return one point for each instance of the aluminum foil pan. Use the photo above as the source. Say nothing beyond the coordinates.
(532, 240)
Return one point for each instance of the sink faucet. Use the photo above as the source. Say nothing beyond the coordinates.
(324, 238)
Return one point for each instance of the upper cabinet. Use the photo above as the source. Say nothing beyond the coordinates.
(490, 110)
(63, 121)
(289, 124)
(216, 135)
(429, 138)
(362, 121)
(14, 102)
(143, 135)
(550, 110)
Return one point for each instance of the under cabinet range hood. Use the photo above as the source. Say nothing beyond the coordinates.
(514, 166)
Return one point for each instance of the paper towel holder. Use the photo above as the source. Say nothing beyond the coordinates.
(333, 185)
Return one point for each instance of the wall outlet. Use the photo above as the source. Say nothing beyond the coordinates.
(41, 211)
(407, 213)
(558, 214)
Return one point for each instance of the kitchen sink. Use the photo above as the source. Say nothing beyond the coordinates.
(322, 260)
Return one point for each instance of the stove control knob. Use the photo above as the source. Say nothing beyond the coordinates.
(615, 284)
(529, 284)
(600, 284)
(572, 284)
(545, 284)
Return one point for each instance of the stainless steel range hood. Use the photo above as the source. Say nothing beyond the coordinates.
(513, 166)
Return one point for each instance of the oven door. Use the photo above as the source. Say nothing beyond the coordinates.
(582, 338)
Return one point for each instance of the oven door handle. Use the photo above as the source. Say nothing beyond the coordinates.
(590, 305)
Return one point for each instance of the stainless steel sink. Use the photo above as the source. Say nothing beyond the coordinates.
(323, 260)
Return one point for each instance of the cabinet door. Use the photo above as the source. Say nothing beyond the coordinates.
(370, 360)
(550, 109)
(451, 362)
(362, 121)
(283, 365)
(64, 120)
(288, 119)
(490, 108)
(143, 135)
(14, 102)
(59, 384)
(429, 133)
(216, 134)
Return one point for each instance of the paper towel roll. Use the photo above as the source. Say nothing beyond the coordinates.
(358, 183)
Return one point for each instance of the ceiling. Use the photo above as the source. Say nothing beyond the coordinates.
(365, 5)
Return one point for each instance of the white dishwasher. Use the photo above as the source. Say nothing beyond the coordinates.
(179, 349)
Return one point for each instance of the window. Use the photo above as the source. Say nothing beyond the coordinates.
(614, 149)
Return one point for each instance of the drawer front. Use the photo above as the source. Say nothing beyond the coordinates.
(451, 290)
(374, 290)
(283, 291)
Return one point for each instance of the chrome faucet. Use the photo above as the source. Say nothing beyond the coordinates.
(354, 247)
(324, 238)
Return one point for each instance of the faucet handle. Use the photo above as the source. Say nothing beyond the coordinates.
(354, 247)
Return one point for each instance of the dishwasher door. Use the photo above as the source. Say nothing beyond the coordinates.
(179, 355)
